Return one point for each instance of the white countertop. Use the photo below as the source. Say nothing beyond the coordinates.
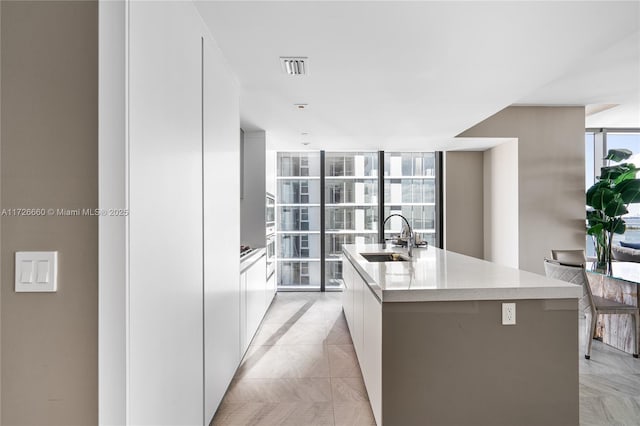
(438, 275)
(251, 257)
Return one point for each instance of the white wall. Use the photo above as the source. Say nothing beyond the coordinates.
(501, 237)
(169, 308)
(463, 209)
(271, 164)
(270, 170)
(112, 230)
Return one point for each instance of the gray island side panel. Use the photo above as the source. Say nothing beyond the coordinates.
(453, 363)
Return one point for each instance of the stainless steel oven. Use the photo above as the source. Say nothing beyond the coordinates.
(271, 255)
(270, 212)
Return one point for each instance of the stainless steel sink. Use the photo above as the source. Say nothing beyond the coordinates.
(385, 257)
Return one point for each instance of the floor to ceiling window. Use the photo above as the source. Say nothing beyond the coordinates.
(327, 199)
(597, 143)
(589, 159)
(351, 206)
(410, 190)
(298, 220)
(631, 141)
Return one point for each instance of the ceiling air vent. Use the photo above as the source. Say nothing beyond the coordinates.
(295, 65)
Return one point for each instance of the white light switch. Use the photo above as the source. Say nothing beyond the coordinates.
(26, 271)
(43, 272)
(36, 271)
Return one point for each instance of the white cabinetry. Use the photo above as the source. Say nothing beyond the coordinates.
(169, 307)
(347, 295)
(357, 331)
(371, 362)
(363, 312)
(256, 293)
(271, 290)
(163, 348)
(244, 342)
(221, 157)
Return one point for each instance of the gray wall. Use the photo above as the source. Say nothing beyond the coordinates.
(49, 159)
(252, 206)
(551, 176)
(464, 202)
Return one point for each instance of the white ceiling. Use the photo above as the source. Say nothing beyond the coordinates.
(413, 75)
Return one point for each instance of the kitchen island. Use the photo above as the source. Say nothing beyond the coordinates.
(429, 338)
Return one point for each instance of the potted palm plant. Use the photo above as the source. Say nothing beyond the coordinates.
(607, 202)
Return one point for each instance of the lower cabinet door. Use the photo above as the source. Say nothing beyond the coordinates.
(256, 296)
(363, 312)
(347, 293)
(244, 340)
(372, 352)
(358, 315)
(271, 290)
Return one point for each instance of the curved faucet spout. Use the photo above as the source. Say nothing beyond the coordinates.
(410, 243)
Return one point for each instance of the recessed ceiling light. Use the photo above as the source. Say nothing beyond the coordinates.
(295, 65)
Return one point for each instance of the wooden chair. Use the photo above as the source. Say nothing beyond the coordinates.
(590, 304)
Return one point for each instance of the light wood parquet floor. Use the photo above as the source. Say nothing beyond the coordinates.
(301, 369)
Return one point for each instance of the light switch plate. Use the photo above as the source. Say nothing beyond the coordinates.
(36, 271)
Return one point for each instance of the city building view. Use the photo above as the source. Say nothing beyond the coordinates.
(298, 220)
(351, 208)
(410, 190)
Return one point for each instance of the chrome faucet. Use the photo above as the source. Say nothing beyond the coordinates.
(411, 241)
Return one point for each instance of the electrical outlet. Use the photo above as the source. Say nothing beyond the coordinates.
(508, 314)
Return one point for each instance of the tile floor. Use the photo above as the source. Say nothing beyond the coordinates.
(609, 386)
(301, 369)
